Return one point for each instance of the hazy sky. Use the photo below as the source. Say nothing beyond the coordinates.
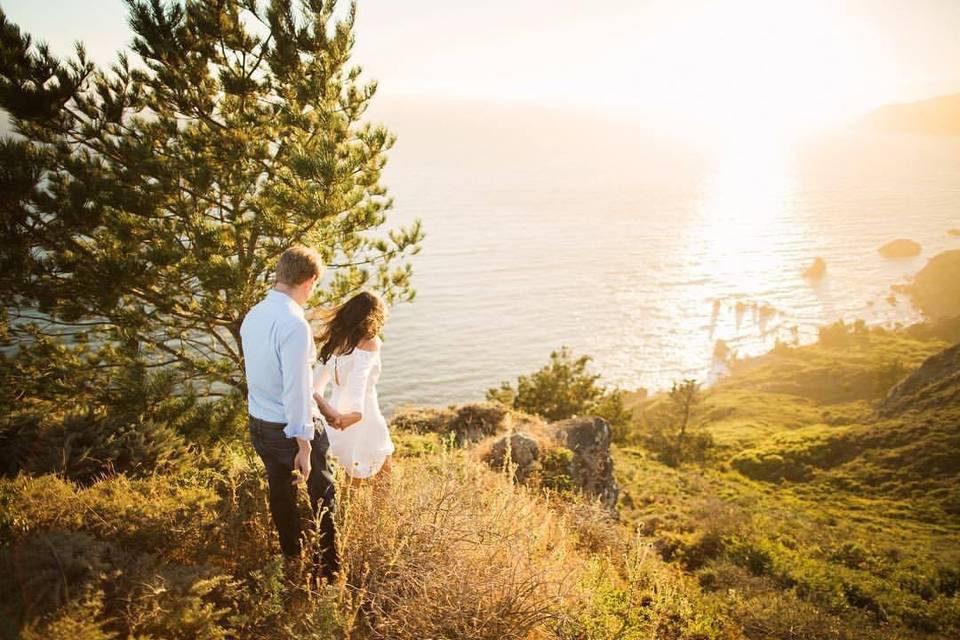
(769, 63)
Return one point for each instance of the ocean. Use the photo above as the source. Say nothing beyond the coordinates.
(642, 252)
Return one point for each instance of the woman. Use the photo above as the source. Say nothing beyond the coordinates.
(350, 359)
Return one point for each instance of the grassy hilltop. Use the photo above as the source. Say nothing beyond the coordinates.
(821, 511)
(452, 549)
(825, 510)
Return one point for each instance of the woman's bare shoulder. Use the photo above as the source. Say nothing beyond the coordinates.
(370, 344)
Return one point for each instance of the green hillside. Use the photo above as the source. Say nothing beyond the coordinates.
(827, 493)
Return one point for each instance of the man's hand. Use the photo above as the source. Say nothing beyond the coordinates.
(349, 419)
(301, 463)
(331, 415)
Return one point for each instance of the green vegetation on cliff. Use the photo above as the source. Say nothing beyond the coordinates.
(936, 288)
(831, 506)
(827, 506)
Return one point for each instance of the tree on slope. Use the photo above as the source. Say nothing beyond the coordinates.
(147, 204)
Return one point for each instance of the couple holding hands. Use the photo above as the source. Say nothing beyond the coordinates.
(293, 425)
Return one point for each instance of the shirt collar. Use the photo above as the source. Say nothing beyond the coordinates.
(281, 298)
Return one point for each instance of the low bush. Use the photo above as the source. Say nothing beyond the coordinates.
(562, 389)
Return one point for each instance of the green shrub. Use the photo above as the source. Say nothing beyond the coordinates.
(556, 469)
(562, 389)
(647, 600)
(834, 335)
(678, 433)
(85, 447)
(754, 555)
(86, 411)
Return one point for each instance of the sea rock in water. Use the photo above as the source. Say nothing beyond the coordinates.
(816, 270)
(935, 384)
(935, 290)
(900, 248)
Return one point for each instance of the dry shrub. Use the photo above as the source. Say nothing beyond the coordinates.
(595, 527)
(452, 550)
(422, 419)
(73, 622)
(462, 424)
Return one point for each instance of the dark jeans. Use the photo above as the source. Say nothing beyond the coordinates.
(277, 452)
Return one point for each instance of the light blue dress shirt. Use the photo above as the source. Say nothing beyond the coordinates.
(279, 354)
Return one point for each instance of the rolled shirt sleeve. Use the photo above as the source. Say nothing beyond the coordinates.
(296, 349)
(356, 386)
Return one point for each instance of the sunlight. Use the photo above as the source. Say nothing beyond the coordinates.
(743, 212)
(746, 192)
(703, 70)
(760, 68)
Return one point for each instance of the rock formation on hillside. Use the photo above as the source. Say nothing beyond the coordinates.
(568, 454)
(935, 384)
(900, 248)
(935, 289)
(589, 439)
(464, 424)
(520, 449)
(575, 450)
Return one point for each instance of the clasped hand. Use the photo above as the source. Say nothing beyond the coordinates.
(333, 417)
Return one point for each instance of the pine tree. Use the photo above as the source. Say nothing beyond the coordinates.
(148, 203)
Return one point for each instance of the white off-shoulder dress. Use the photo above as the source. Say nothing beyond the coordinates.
(363, 447)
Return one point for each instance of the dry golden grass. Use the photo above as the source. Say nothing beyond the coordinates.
(448, 549)
(451, 550)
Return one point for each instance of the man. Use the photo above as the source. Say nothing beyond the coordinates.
(285, 425)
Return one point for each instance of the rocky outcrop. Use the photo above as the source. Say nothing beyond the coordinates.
(519, 449)
(935, 290)
(900, 248)
(934, 385)
(572, 453)
(463, 424)
(591, 467)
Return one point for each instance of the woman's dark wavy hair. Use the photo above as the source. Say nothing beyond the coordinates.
(359, 318)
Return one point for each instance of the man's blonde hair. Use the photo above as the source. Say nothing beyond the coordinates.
(298, 264)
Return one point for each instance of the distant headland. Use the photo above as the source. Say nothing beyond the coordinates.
(934, 116)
